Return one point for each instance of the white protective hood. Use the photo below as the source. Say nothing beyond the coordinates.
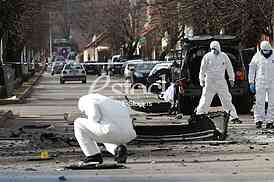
(216, 45)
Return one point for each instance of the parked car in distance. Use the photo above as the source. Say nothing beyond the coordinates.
(71, 57)
(141, 71)
(129, 66)
(57, 66)
(92, 68)
(73, 72)
(115, 65)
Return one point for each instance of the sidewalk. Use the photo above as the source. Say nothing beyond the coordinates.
(23, 91)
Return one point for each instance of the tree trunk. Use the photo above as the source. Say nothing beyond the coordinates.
(272, 20)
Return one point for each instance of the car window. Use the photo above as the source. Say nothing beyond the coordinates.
(198, 53)
(145, 67)
(73, 66)
(158, 67)
(58, 63)
(72, 56)
(155, 69)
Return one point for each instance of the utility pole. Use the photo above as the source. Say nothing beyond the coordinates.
(67, 17)
(1, 51)
(50, 35)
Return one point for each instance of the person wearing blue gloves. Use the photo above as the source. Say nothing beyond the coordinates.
(261, 74)
(252, 88)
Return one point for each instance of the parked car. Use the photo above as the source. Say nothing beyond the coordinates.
(115, 65)
(129, 66)
(195, 48)
(71, 57)
(57, 67)
(73, 72)
(159, 76)
(92, 68)
(141, 71)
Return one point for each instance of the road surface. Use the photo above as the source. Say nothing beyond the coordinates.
(250, 158)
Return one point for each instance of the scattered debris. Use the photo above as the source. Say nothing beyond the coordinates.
(30, 169)
(95, 166)
(40, 159)
(37, 126)
(62, 178)
(60, 169)
(161, 149)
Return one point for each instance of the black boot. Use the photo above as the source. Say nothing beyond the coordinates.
(236, 121)
(269, 126)
(259, 124)
(121, 154)
(97, 158)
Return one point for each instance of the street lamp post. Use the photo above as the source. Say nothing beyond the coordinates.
(1, 51)
(50, 35)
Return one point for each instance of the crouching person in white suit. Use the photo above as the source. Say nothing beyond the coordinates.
(107, 121)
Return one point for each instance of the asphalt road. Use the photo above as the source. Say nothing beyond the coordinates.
(50, 99)
(249, 160)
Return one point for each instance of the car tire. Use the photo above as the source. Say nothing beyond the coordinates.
(187, 105)
(243, 104)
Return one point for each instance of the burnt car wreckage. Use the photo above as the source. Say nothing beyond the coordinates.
(211, 126)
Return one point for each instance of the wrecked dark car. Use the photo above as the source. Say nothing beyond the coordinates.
(195, 48)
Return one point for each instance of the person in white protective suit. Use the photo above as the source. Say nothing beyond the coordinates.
(261, 73)
(107, 121)
(212, 79)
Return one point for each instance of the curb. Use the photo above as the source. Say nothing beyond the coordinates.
(26, 93)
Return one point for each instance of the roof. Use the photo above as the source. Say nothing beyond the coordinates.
(101, 37)
(206, 39)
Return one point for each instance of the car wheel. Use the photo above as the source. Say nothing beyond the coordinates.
(243, 104)
(186, 105)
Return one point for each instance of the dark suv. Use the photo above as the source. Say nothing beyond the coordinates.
(195, 48)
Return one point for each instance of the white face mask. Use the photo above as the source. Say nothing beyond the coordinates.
(266, 51)
(215, 51)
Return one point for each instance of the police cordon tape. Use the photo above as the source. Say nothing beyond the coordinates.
(125, 63)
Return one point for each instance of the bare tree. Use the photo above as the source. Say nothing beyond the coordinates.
(22, 23)
(122, 21)
(247, 19)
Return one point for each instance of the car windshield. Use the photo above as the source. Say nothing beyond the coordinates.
(144, 66)
(157, 67)
(72, 56)
(73, 66)
(60, 59)
(58, 63)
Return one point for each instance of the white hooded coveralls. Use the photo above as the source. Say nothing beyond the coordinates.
(212, 73)
(261, 73)
(107, 122)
